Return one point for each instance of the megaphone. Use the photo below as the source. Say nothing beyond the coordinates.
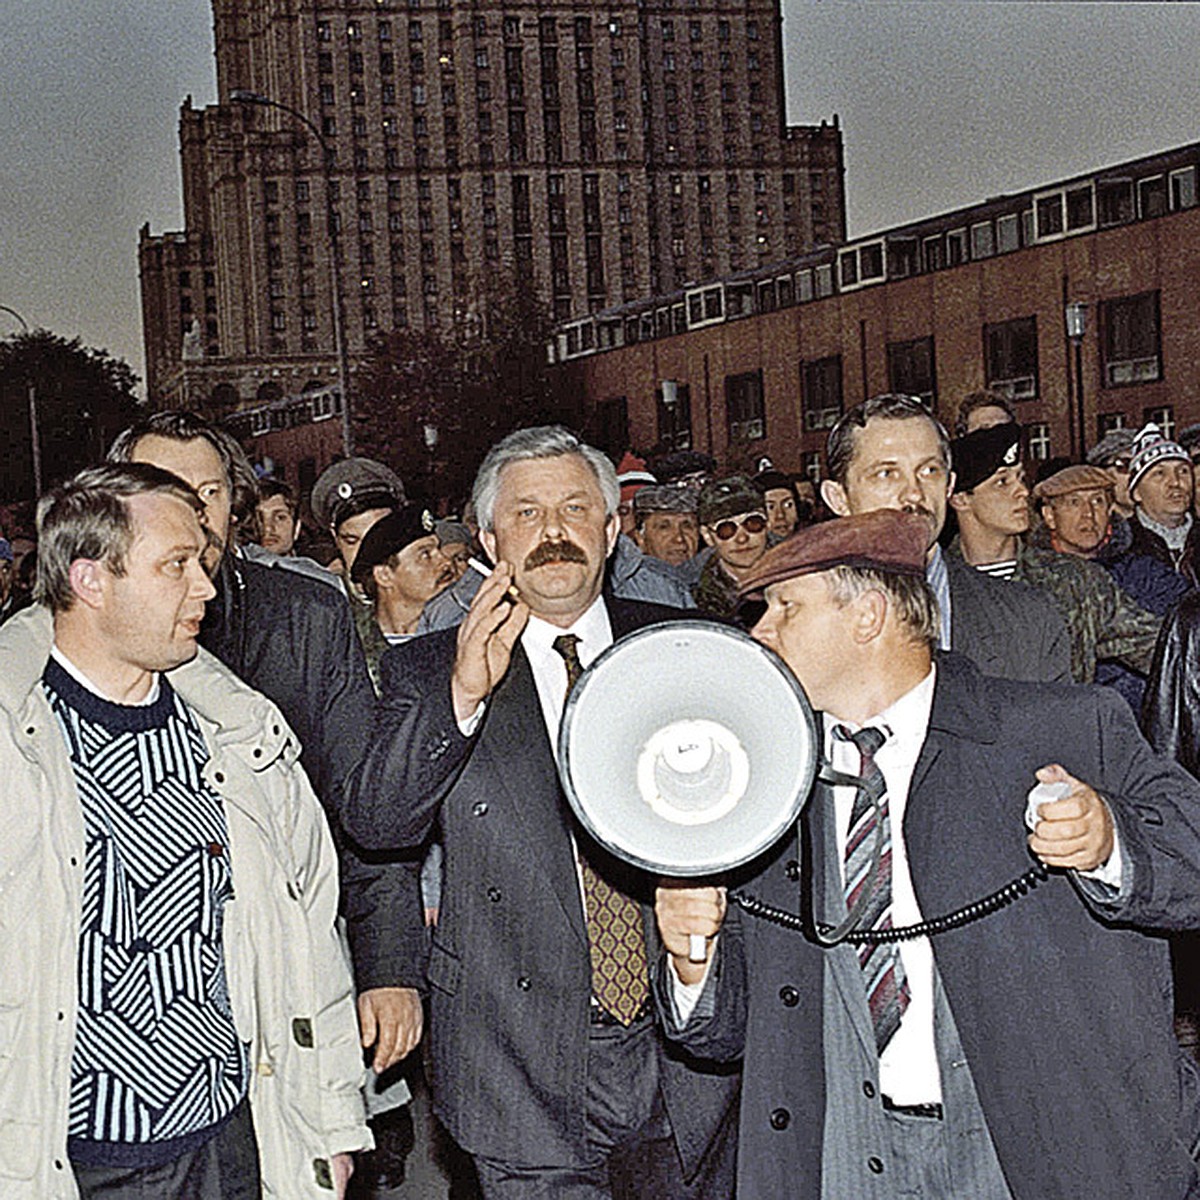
(687, 748)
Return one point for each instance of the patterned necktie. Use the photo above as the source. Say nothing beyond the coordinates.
(883, 972)
(616, 935)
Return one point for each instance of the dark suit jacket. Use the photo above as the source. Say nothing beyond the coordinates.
(293, 639)
(1006, 628)
(510, 972)
(1064, 1010)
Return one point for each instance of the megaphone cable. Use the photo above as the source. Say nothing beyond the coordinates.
(847, 931)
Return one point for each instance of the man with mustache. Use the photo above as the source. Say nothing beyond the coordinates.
(892, 452)
(546, 1065)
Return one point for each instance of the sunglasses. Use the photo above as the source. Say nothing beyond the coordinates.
(754, 523)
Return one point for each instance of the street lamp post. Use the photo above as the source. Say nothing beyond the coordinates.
(35, 439)
(243, 96)
(1075, 315)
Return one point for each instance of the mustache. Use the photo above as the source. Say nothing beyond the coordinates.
(920, 511)
(552, 552)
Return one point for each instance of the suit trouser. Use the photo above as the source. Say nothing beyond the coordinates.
(633, 1152)
(224, 1168)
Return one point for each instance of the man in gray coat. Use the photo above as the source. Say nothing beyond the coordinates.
(892, 452)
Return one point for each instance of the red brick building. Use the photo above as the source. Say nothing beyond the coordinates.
(763, 362)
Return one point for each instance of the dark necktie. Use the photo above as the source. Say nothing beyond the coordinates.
(883, 972)
(616, 935)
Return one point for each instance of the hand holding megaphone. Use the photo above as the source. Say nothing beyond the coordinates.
(689, 919)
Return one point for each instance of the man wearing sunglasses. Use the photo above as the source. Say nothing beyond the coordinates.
(1113, 453)
(733, 521)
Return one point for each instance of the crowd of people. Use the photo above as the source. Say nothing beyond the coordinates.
(282, 806)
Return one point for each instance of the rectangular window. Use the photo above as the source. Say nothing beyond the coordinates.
(983, 243)
(1037, 438)
(745, 414)
(821, 392)
(1183, 188)
(1130, 339)
(1008, 233)
(1163, 417)
(674, 415)
(1115, 201)
(1152, 197)
(1012, 360)
(911, 370)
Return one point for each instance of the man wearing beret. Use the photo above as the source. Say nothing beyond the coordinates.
(992, 503)
(891, 452)
(1022, 1054)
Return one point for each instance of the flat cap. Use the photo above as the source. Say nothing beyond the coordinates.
(664, 499)
(978, 456)
(389, 535)
(351, 486)
(884, 540)
(1072, 479)
(682, 463)
(728, 497)
(1115, 443)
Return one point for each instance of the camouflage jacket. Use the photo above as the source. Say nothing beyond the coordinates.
(715, 591)
(1103, 622)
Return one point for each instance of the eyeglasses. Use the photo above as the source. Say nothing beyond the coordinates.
(754, 523)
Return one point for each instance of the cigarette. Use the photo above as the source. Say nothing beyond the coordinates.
(512, 595)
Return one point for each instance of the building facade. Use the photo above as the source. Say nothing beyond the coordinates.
(597, 153)
(764, 362)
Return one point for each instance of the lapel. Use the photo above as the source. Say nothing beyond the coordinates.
(829, 907)
(522, 762)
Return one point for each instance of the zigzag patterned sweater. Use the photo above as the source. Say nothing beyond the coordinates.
(158, 1066)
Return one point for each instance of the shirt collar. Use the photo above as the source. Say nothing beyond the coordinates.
(905, 719)
(592, 628)
(80, 678)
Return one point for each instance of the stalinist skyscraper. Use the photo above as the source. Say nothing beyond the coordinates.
(593, 153)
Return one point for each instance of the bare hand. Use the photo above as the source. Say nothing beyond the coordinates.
(485, 641)
(683, 910)
(391, 1020)
(1076, 831)
(342, 1166)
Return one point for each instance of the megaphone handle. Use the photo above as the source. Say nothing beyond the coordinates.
(697, 947)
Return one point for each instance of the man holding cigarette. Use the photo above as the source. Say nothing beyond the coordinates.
(546, 1063)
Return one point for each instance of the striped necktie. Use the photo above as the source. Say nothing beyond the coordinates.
(616, 935)
(883, 971)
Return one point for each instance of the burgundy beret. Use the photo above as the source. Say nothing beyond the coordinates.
(883, 540)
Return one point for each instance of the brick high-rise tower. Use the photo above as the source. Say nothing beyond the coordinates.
(595, 152)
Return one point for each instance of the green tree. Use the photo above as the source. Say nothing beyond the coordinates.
(484, 376)
(84, 397)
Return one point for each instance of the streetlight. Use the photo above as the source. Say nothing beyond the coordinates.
(34, 437)
(244, 96)
(1075, 316)
(430, 435)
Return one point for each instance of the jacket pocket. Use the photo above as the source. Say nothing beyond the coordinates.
(444, 969)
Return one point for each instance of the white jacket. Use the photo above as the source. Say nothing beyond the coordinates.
(288, 978)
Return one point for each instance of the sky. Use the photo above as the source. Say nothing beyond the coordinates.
(942, 103)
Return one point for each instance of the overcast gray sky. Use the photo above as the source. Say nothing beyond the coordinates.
(941, 102)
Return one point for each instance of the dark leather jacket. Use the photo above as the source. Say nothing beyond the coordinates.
(1171, 709)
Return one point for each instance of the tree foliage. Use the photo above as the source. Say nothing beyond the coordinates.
(84, 397)
(473, 382)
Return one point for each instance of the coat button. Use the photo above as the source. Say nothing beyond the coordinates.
(323, 1173)
(875, 1165)
(780, 1118)
(302, 1031)
(792, 869)
(524, 983)
(479, 807)
(789, 996)
(219, 776)
(868, 1089)
(258, 752)
(493, 894)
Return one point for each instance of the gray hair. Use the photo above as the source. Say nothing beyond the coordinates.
(910, 597)
(892, 406)
(179, 425)
(542, 441)
(88, 517)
